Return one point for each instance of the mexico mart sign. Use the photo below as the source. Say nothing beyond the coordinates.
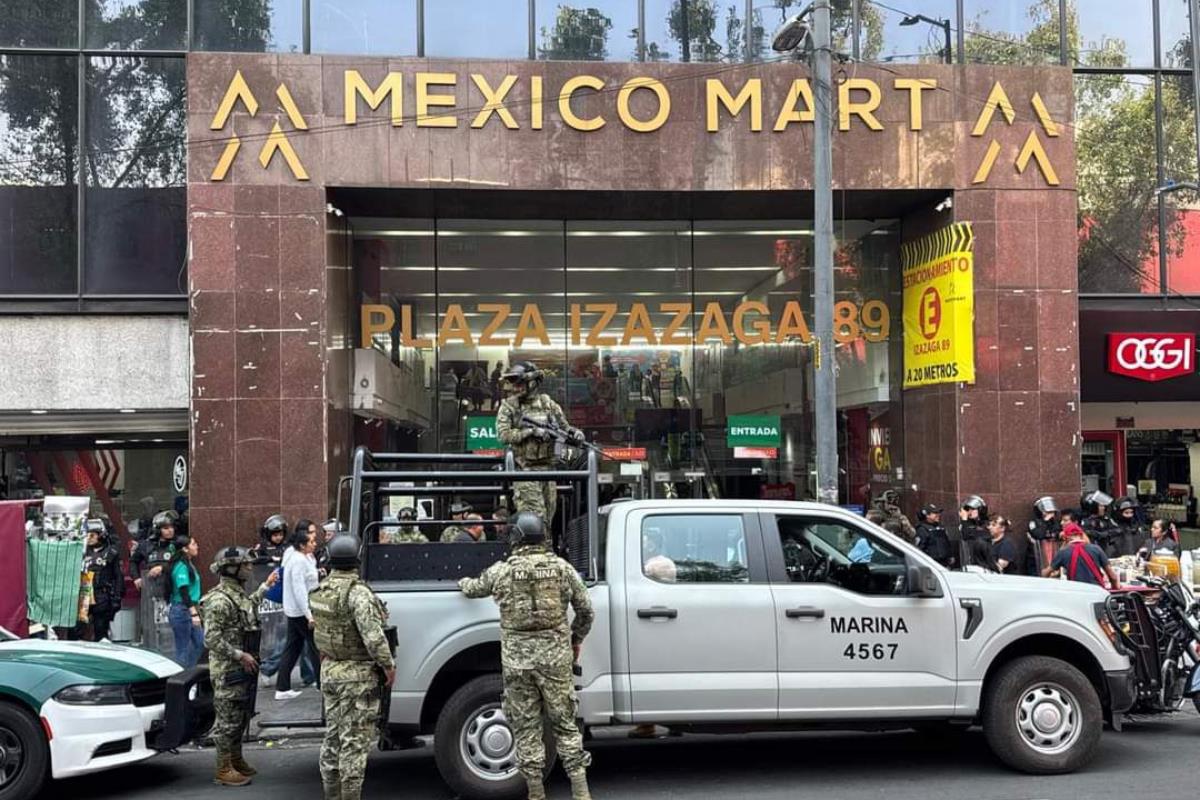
(753, 430)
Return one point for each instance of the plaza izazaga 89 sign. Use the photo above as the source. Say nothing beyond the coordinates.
(939, 307)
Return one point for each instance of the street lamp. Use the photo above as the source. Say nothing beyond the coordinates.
(813, 26)
(944, 24)
(1175, 186)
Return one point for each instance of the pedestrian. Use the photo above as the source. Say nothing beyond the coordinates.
(102, 559)
(1084, 561)
(494, 384)
(1003, 554)
(272, 541)
(1044, 533)
(357, 667)
(153, 554)
(1099, 525)
(1129, 533)
(458, 511)
(270, 550)
(1163, 538)
(232, 639)
(932, 537)
(183, 592)
(299, 578)
(973, 532)
(533, 589)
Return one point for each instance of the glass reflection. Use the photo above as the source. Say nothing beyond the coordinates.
(249, 26)
(365, 27)
(589, 31)
(1011, 33)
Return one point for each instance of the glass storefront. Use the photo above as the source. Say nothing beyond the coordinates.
(657, 338)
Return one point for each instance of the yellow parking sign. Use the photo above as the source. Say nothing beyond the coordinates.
(939, 307)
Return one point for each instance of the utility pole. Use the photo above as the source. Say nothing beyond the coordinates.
(825, 412)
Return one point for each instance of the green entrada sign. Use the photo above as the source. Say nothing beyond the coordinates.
(481, 434)
(753, 430)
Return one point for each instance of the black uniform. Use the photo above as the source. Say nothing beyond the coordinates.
(1126, 538)
(108, 586)
(1041, 531)
(976, 542)
(934, 541)
(1100, 529)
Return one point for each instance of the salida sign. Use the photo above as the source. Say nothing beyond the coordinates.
(1152, 356)
(481, 435)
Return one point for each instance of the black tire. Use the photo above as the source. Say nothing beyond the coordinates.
(20, 730)
(1065, 700)
(473, 701)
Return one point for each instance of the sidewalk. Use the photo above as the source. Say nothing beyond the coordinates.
(271, 718)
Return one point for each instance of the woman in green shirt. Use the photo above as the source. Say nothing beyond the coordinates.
(184, 596)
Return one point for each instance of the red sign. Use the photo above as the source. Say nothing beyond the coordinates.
(756, 452)
(777, 491)
(624, 453)
(1152, 356)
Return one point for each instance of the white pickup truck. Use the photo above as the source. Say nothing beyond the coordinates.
(728, 616)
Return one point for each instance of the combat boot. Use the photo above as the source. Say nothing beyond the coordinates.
(535, 787)
(226, 775)
(239, 763)
(333, 786)
(579, 787)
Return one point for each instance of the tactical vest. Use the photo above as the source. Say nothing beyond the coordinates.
(334, 631)
(535, 600)
(538, 411)
(247, 615)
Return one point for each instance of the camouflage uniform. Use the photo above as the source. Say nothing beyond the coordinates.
(451, 533)
(405, 534)
(533, 588)
(539, 497)
(348, 629)
(229, 614)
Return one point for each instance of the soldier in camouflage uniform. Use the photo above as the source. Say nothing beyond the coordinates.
(888, 504)
(405, 534)
(533, 588)
(356, 668)
(458, 513)
(229, 615)
(533, 448)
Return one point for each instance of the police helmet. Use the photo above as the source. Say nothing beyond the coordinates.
(523, 373)
(276, 523)
(164, 519)
(343, 551)
(1045, 505)
(1092, 501)
(929, 509)
(333, 526)
(406, 514)
(230, 559)
(528, 528)
(96, 525)
(1125, 504)
(976, 503)
(460, 507)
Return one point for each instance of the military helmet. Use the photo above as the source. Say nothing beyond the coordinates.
(276, 523)
(164, 519)
(929, 509)
(891, 497)
(1125, 503)
(1045, 505)
(460, 507)
(408, 513)
(230, 557)
(523, 373)
(528, 528)
(976, 503)
(343, 551)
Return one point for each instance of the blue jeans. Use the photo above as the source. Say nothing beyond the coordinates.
(189, 638)
(308, 663)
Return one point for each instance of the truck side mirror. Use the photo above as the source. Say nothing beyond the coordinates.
(922, 581)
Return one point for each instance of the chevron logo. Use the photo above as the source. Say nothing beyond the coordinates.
(1032, 150)
(276, 141)
(108, 464)
(955, 238)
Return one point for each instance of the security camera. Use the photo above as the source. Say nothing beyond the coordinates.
(791, 34)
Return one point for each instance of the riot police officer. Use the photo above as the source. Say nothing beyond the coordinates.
(272, 539)
(533, 588)
(458, 512)
(1099, 526)
(230, 634)
(532, 445)
(973, 532)
(154, 552)
(1129, 534)
(356, 668)
(932, 537)
(1045, 529)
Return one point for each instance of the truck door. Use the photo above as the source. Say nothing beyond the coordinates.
(852, 642)
(700, 617)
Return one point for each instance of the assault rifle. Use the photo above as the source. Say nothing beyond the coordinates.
(563, 438)
(248, 681)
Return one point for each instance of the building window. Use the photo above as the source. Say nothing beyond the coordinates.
(38, 163)
(365, 27)
(136, 175)
(1174, 30)
(1100, 35)
(39, 23)
(469, 29)
(1012, 32)
(1181, 211)
(136, 25)
(885, 36)
(587, 31)
(696, 30)
(249, 26)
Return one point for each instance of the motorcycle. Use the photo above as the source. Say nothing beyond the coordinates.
(1159, 627)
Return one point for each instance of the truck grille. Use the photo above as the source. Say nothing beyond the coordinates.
(149, 693)
(1128, 613)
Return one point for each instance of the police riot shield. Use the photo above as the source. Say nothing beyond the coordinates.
(270, 614)
(153, 624)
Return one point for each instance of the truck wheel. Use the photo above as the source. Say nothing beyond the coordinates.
(1042, 716)
(24, 756)
(474, 746)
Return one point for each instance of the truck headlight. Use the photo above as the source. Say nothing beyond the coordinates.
(108, 694)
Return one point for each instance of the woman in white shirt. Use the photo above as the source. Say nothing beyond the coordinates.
(299, 578)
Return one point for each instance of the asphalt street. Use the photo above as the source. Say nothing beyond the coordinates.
(1154, 756)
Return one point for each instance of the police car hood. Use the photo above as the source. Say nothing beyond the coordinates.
(1066, 591)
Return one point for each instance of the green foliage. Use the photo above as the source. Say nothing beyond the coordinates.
(579, 34)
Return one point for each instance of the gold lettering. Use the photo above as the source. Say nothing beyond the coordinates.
(426, 101)
(238, 90)
(1033, 148)
(576, 323)
(356, 86)
(454, 326)
(277, 142)
(367, 314)
(1039, 108)
(997, 98)
(864, 109)
(791, 323)
(914, 87)
(290, 108)
(406, 331)
(664, 104)
(762, 326)
(564, 102)
(681, 311)
(638, 325)
(531, 325)
(989, 160)
(493, 100)
(535, 102)
(502, 312)
(712, 324)
(607, 311)
(788, 114)
(750, 93)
